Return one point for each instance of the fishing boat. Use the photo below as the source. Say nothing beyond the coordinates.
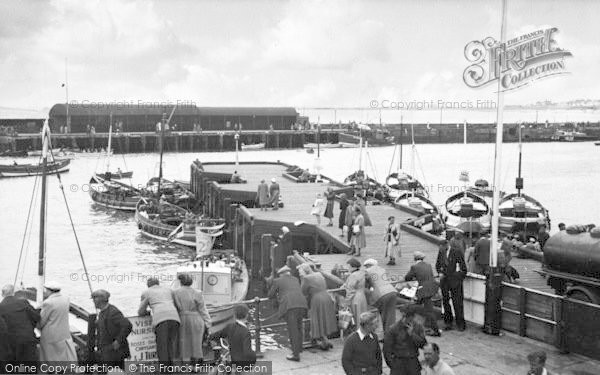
(14, 154)
(110, 175)
(520, 212)
(113, 194)
(362, 183)
(22, 170)
(466, 207)
(398, 183)
(375, 137)
(221, 276)
(417, 202)
(169, 222)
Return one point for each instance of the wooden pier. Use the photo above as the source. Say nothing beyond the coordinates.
(177, 141)
(529, 308)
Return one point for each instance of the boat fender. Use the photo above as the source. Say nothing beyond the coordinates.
(139, 226)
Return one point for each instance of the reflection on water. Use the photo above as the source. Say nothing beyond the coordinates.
(563, 176)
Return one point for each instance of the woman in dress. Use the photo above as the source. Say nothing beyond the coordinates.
(321, 309)
(359, 239)
(343, 206)
(318, 207)
(355, 289)
(330, 195)
(194, 319)
(360, 201)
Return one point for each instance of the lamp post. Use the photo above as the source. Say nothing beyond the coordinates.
(237, 138)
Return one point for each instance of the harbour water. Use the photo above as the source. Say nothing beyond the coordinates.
(563, 176)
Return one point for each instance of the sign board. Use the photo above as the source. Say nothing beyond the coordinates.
(142, 341)
(516, 62)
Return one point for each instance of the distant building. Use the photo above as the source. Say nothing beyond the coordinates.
(144, 117)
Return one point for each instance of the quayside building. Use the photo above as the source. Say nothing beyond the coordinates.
(144, 117)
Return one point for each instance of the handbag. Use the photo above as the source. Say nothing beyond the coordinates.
(356, 229)
(345, 317)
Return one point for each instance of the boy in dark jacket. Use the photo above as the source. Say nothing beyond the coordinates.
(238, 336)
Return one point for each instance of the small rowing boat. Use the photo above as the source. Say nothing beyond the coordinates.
(21, 170)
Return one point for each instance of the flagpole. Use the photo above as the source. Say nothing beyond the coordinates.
(494, 278)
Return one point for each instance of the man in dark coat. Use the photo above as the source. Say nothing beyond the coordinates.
(292, 307)
(428, 287)
(401, 346)
(452, 269)
(20, 318)
(112, 331)
(482, 255)
(238, 336)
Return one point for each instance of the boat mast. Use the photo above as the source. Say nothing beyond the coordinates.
(360, 148)
(519, 182)
(160, 162)
(401, 134)
(43, 206)
(109, 148)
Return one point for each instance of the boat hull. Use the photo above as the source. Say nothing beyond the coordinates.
(116, 175)
(159, 230)
(34, 169)
(113, 201)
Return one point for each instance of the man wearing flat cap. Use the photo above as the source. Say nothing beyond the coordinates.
(292, 307)
(422, 272)
(112, 329)
(56, 343)
(383, 295)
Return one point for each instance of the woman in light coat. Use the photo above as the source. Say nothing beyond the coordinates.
(321, 308)
(194, 319)
(359, 240)
(355, 289)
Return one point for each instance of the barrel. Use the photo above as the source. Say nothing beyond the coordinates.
(573, 253)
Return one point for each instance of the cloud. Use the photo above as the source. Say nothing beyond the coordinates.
(324, 35)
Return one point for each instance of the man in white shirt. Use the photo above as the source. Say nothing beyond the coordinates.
(433, 364)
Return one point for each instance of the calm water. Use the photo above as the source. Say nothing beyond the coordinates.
(565, 177)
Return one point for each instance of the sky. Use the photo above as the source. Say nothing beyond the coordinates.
(303, 54)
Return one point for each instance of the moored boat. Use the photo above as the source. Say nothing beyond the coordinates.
(21, 170)
(520, 212)
(170, 222)
(466, 207)
(223, 281)
(114, 194)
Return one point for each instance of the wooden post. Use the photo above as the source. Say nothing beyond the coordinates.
(522, 310)
(91, 338)
(257, 328)
(561, 341)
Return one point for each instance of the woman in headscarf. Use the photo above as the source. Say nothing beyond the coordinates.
(330, 195)
(318, 208)
(343, 206)
(355, 289)
(360, 201)
(321, 309)
(194, 319)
